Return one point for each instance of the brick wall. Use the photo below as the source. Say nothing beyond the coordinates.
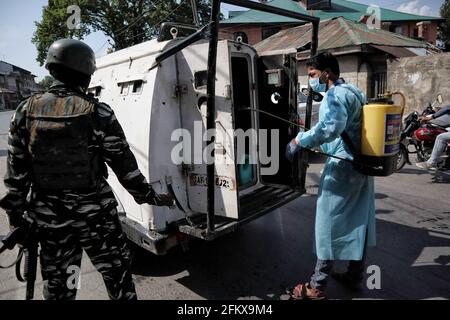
(254, 33)
(421, 79)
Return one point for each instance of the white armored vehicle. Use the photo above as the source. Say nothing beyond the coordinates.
(166, 94)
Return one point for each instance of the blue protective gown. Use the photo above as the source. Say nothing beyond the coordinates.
(346, 202)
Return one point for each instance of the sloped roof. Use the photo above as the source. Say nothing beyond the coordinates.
(339, 8)
(335, 33)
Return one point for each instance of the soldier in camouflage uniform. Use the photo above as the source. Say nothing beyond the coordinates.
(59, 143)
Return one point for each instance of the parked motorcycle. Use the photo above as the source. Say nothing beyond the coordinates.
(420, 137)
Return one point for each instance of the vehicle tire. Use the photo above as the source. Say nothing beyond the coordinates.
(401, 159)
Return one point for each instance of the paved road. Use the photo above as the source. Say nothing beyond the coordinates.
(264, 257)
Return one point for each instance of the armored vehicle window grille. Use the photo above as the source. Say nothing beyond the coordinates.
(200, 78)
(137, 86)
(123, 88)
(95, 91)
(269, 31)
(379, 84)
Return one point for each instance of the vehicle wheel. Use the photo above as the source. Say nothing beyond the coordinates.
(401, 159)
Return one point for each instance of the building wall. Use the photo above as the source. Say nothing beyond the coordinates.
(411, 29)
(367, 71)
(421, 79)
(17, 80)
(254, 32)
(12, 84)
(2, 101)
(354, 70)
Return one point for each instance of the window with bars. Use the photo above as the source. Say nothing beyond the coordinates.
(379, 84)
(269, 31)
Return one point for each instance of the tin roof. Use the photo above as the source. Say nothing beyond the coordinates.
(334, 33)
(339, 8)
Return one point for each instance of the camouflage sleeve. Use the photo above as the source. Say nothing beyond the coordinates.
(118, 156)
(18, 174)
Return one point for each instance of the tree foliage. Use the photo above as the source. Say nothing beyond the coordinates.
(444, 28)
(126, 22)
(53, 26)
(46, 82)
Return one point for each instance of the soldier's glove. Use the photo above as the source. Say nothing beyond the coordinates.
(15, 237)
(16, 220)
(164, 199)
(161, 200)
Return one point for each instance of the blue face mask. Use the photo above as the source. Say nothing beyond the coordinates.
(316, 85)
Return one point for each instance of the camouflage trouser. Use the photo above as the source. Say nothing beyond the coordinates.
(90, 227)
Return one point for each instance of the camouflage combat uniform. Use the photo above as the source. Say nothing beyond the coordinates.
(74, 215)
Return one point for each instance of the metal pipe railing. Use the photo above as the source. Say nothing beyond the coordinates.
(304, 155)
(211, 109)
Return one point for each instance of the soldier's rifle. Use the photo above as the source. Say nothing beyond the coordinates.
(25, 238)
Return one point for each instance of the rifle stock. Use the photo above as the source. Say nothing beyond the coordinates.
(25, 236)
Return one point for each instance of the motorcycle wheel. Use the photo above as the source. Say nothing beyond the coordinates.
(402, 157)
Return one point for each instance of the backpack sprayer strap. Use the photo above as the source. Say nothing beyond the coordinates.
(304, 128)
(358, 165)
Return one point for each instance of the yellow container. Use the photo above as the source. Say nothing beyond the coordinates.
(380, 136)
(381, 128)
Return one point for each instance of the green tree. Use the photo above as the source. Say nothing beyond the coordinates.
(444, 28)
(126, 22)
(53, 26)
(46, 82)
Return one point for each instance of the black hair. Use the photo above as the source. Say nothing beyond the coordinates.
(323, 61)
(69, 77)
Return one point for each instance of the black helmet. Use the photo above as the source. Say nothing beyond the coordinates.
(72, 54)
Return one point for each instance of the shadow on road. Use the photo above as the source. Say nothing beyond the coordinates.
(435, 176)
(413, 171)
(265, 257)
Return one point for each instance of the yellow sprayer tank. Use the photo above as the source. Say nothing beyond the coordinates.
(380, 134)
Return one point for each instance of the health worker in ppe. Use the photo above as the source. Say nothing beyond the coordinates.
(345, 214)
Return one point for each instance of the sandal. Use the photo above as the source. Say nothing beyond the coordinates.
(305, 292)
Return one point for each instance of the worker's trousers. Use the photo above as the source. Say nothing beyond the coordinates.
(323, 269)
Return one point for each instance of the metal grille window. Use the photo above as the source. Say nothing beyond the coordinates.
(137, 86)
(269, 31)
(379, 84)
(95, 91)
